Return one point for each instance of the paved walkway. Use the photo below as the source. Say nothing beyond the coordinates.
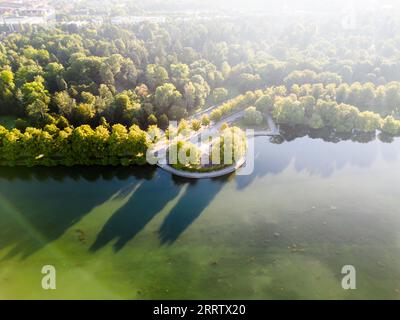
(213, 129)
(203, 175)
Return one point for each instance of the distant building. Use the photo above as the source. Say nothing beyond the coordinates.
(22, 12)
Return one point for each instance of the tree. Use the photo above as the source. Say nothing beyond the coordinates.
(202, 90)
(40, 56)
(37, 110)
(248, 81)
(154, 133)
(300, 77)
(189, 95)
(342, 93)
(28, 74)
(7, 88)
(188, 55)
(252, 116)
(265, 103)
(54, 74)
(316, 121)
(152, 120)
(289, 112)
(183, 154)
(156, 76)
(83, 113)
(308, 103)
(393, 96)
(127, 74)
(88, 70)
(216, 115)
(166, 96)
(33, 91)
(179, 74)
(123, 110)
(327, 111)
(391, 126)
(345, 118)
(163, 121)
(205, 120)
(229, 147)
(184, 127)
(368, 122)
(196, 125)
(176, 112)
(64, 103)
(226, 69)
(62, 123)
(219, 95)
(223, 127)
(328, 78)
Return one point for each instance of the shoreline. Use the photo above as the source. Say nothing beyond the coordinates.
(203, 175)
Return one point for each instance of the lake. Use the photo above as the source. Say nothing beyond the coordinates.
(283, 232)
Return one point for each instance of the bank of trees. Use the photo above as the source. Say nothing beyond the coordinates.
(149, 73)
(84, 94)
(318, 106)
(326, 110)
(382, 99)
(116, 145)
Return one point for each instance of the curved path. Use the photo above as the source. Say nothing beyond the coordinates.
(203, 175)
(213, 129)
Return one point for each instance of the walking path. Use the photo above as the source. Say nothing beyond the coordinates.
(213, 129)
(203, 175)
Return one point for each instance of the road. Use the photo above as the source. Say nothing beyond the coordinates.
(160, 148)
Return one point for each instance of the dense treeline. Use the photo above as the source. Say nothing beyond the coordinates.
(149, 73)
(364, 108)
(383, 99)
(344, 108)
(86, 94)
(68, 146)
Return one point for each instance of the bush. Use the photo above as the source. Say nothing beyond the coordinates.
(21, 124)
(265, 103)
(216, 115)
(205, 120)
(163, 121)
(220, 94)
(63, 123)
(196, 125)
(391, 126)
(252, 116)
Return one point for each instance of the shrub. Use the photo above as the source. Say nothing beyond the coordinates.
(252, 116)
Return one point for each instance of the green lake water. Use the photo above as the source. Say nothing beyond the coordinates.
(284, 232)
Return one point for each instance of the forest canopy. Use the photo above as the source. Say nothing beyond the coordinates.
(90, 79)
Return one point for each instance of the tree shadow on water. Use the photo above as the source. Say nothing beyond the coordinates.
(190, 206)
(38, 205)
(146, 202)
